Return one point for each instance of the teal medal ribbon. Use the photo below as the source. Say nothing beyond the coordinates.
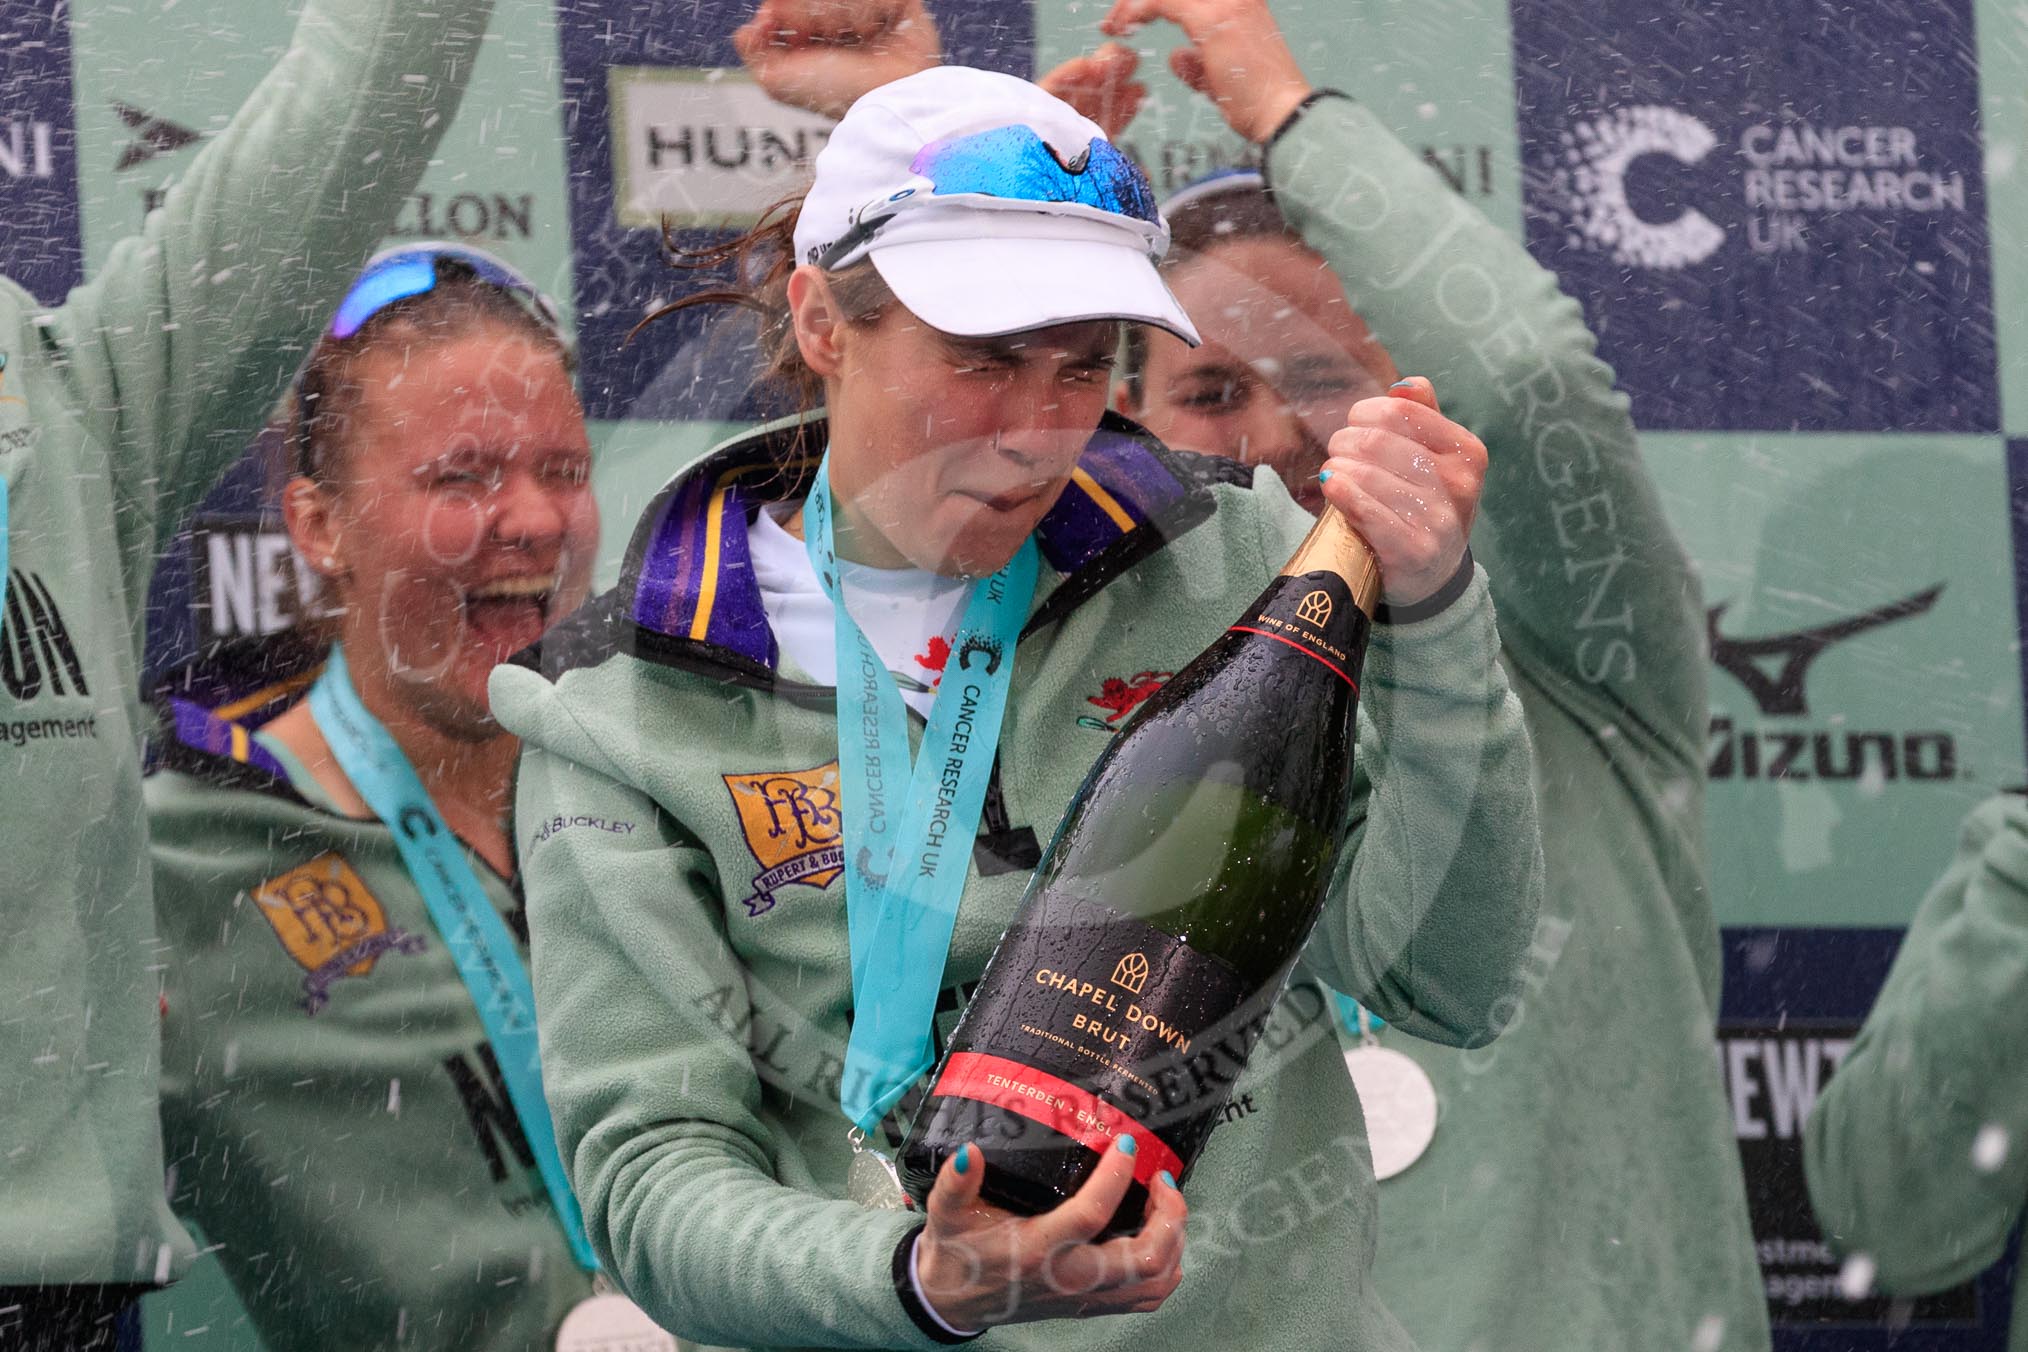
(906, 857)
(1358, 1021)
(476, 937)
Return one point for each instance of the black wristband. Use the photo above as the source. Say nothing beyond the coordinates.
(917, 1311)
(1434, 604)
(1267, 147)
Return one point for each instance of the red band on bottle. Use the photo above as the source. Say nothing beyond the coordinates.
(1058, 1105)
(1307, 652)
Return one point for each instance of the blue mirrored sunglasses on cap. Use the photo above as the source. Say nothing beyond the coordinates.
(398, 274)
(1015, 165)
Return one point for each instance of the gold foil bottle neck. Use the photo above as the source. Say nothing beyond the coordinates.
(1332, 546)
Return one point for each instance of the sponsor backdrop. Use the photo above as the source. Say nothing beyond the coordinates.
(1793, 259)
(38, 149)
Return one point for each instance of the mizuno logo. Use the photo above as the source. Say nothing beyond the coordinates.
(153, 137)
(1778, 689)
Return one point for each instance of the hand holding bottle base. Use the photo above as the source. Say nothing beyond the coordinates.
(980, 1265)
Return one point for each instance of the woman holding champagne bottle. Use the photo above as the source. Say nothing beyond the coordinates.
(756, 911)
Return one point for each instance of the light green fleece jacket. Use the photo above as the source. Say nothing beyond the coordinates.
(117, 410)
(1584, 1187)
(334, 1115)
(1917, 1152)
(677, 797)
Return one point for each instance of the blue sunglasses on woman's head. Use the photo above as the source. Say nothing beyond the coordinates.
(1015, 165)
(402, 273)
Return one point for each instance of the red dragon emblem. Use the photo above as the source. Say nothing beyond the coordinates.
(1120, 697)
(935, 659)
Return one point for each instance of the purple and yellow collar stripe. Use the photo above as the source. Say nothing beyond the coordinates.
(690, 577)
(1119, 486)
(204, 731)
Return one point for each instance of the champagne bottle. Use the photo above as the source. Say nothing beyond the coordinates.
(1161, 925)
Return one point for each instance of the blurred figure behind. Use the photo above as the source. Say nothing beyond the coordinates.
(1583, 1188)
(1917, 1152)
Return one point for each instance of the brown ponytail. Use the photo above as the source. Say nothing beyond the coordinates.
(765, 257)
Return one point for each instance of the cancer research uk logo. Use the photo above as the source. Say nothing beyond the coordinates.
(1775, 220)
(1796, 171)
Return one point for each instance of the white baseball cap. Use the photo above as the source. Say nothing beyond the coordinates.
(989, 207)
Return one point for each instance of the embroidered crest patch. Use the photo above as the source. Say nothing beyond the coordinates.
(329, 923)
(792, 823)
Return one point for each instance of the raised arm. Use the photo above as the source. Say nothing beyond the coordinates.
(183, 340)
(1589, 578)
(1914, 1153)
(1590, 581)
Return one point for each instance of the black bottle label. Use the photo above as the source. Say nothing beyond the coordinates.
(1314, 614)
(1090, 1022)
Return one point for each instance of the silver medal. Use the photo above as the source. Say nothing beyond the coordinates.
(873, 1181)
(1397, 1098)
(607, 1321)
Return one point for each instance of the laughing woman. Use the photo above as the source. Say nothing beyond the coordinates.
(1597, 1134)
(346, 1082)
(952, 288)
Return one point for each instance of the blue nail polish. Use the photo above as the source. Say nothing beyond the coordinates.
(1410, 380)
(1125, 1143)
(1167, 1178)
(963, 1160)
(1323, 476)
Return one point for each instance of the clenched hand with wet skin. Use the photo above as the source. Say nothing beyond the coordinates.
(1408, 479)
(1236, 57)
(821, 55)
